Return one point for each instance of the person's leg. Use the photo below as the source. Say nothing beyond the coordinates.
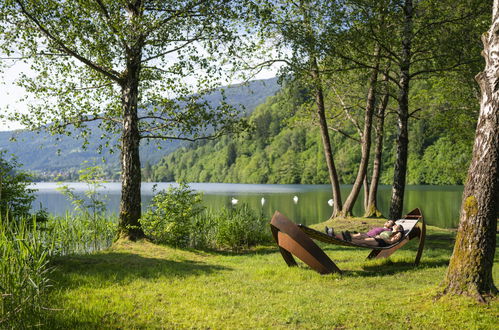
(360, 235)
(369, 241)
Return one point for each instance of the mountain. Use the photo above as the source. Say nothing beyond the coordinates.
(286, 148)
(49, 155)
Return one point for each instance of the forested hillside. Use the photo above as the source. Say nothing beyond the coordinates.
(285, 144)
(48, 157)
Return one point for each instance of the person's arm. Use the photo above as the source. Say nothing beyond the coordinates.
(395, 238)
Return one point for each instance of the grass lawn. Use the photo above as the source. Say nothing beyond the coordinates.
(142, 285)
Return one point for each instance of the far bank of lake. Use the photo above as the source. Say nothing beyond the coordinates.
(440, 204)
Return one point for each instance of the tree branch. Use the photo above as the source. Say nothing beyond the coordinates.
(344, 133)
(347, 113)
(105, 12)
(188, 42)
(414, 74)
(178, 137)
(109, 73)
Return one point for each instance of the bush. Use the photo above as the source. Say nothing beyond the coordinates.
(15, 196)
(233, 229)
(169, 218)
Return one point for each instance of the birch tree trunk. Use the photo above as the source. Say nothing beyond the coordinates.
(371, 209)
(470, 268)
(400, 170)
(131, 176)
(365, 139)
(326, 144)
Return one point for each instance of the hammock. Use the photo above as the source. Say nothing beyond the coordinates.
(296, 240)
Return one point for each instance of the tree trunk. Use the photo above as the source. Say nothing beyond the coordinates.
(130, 204)
(400, 170)
(326, 143)
(371, 209)
(365, 138)
(366, 192)
(470, 268)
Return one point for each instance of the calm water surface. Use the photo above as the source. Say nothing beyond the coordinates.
(440, 204)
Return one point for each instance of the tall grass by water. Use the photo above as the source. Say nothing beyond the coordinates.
(26, 248)
(24, 271)
(79, 234)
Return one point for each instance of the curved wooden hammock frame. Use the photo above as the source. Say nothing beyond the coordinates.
(297, 240)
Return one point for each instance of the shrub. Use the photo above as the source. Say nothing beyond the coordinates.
(234, 229)
(15, 196)
(169, 218)
(240, 228)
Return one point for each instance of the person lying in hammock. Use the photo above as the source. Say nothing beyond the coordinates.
(385, 238)
(371, 233)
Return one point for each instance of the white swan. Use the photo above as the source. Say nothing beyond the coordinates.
(234, 201)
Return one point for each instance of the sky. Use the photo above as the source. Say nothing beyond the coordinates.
(11, 94)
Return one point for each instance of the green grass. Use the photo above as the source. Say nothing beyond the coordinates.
(142, 285)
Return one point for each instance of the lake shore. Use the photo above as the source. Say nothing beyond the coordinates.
(440, 204)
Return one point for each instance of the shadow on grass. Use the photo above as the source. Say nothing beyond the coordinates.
(268, 248)
(386, 269)
(439, 246)
(119, 268)
(389, 267)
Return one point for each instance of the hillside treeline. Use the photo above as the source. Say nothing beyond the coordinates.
(284, 145)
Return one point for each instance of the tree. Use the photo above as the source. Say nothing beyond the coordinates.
(422, 39)
(15, 196)
(371, 207)
(470, 268)
(428, 46)
(365, 137)
(124, 64)
(302, 33)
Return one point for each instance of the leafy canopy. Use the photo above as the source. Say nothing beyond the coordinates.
(80, 54)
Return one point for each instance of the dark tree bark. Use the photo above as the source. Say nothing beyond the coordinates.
(470, 268)
(130, 210)
(365, 139)
(371, 209)
(131, 175)
(366, 192)
(400, 170)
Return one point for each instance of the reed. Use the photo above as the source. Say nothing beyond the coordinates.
(26, 248)
(79, 234)
(24, 272)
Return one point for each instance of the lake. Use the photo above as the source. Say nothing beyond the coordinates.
(440, 204)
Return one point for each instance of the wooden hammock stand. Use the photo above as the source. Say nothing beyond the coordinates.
(297, 240)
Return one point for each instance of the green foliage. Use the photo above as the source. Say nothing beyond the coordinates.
(235, 228)
(24, 272)
(176, 217)
(92, 205)
(286, 148)
(446, 162)
(15, 196)
(169, 217)
(25, 249)
(94, 202)
(79, 234)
